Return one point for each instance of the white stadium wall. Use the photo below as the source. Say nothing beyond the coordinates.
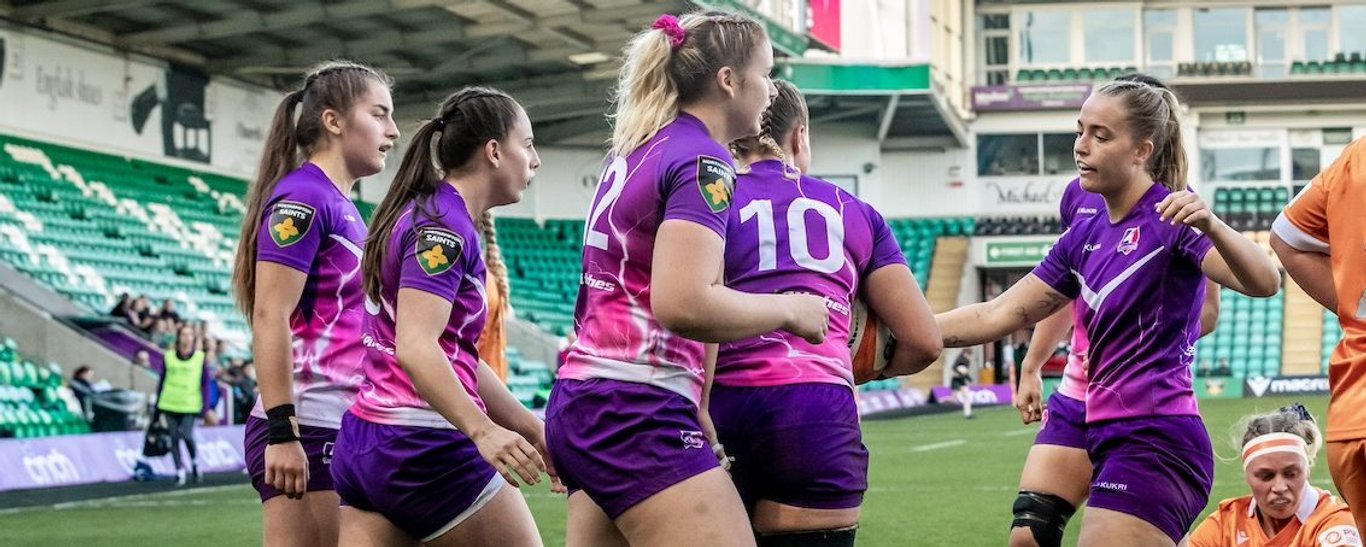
(925, 184)
(62, 90)
(892, 30)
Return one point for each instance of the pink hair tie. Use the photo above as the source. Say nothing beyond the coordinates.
(669, 24)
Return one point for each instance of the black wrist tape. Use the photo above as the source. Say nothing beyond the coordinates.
(280, 425)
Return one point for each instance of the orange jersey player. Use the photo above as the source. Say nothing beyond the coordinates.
(1284, 510)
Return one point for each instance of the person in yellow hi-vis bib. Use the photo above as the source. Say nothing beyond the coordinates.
(181, 396)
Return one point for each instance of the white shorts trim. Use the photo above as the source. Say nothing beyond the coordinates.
(491, 489)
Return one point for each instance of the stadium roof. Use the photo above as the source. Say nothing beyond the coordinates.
(556, 56)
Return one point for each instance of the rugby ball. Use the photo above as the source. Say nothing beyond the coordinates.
(870, 344)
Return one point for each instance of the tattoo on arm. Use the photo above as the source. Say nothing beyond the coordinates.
(1040, 310)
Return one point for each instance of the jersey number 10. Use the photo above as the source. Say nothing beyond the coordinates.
(799, 247)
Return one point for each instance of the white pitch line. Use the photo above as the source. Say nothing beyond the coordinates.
(937, 446)
(96, 502)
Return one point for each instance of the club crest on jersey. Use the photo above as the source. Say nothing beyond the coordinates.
(290, 222)
(438, 249)
(716, 180)
(1128, 243)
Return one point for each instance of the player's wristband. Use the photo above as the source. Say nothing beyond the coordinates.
(720, 451)
(280, 425)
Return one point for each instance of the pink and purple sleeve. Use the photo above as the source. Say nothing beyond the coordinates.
(291, 231)
(433, 261)
(886, 251)
(697, 188)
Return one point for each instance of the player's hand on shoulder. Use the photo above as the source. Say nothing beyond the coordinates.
(1186, 208)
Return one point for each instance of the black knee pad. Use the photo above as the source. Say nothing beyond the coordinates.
(840, 537)
(1045, 514)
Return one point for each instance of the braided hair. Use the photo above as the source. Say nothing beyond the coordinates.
(781, 117)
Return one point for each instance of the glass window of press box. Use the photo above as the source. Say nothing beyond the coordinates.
(1297, 156)
(1025, 154)
(1273, 39)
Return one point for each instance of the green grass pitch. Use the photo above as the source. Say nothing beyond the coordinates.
(935, 480)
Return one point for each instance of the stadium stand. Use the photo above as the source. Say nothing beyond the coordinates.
(543, 261)
(1248, 337)
(29, 402)
(528, 380)
(1071, 75)
(1341, 63)
(543, 269)
(1302, 337)
(1017, 226)
(919, 237)
(92, 226)
(1332, 334)
(1250, 208)
(1214, 69)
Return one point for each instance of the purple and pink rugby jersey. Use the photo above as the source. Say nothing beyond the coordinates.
(311, 227)
(434, 249)
(679, 174)
(803, 235)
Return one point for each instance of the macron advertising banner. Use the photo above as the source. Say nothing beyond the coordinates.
(1290, 386)
(876, 402)
(995, 394)
(69, 460)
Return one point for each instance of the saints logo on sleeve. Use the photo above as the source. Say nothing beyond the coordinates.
(438, 249)
(290, 222)
(716, 180)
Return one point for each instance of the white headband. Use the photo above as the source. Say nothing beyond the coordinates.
(1271, 443)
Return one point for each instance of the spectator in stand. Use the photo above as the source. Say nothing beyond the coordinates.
(168, 311)
(82, 386)
(121, 309)
(215, 394)
(1223, 369)
(243, 389)
(249, 379)
(140, 315)
(164, 333)
(142, 359)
